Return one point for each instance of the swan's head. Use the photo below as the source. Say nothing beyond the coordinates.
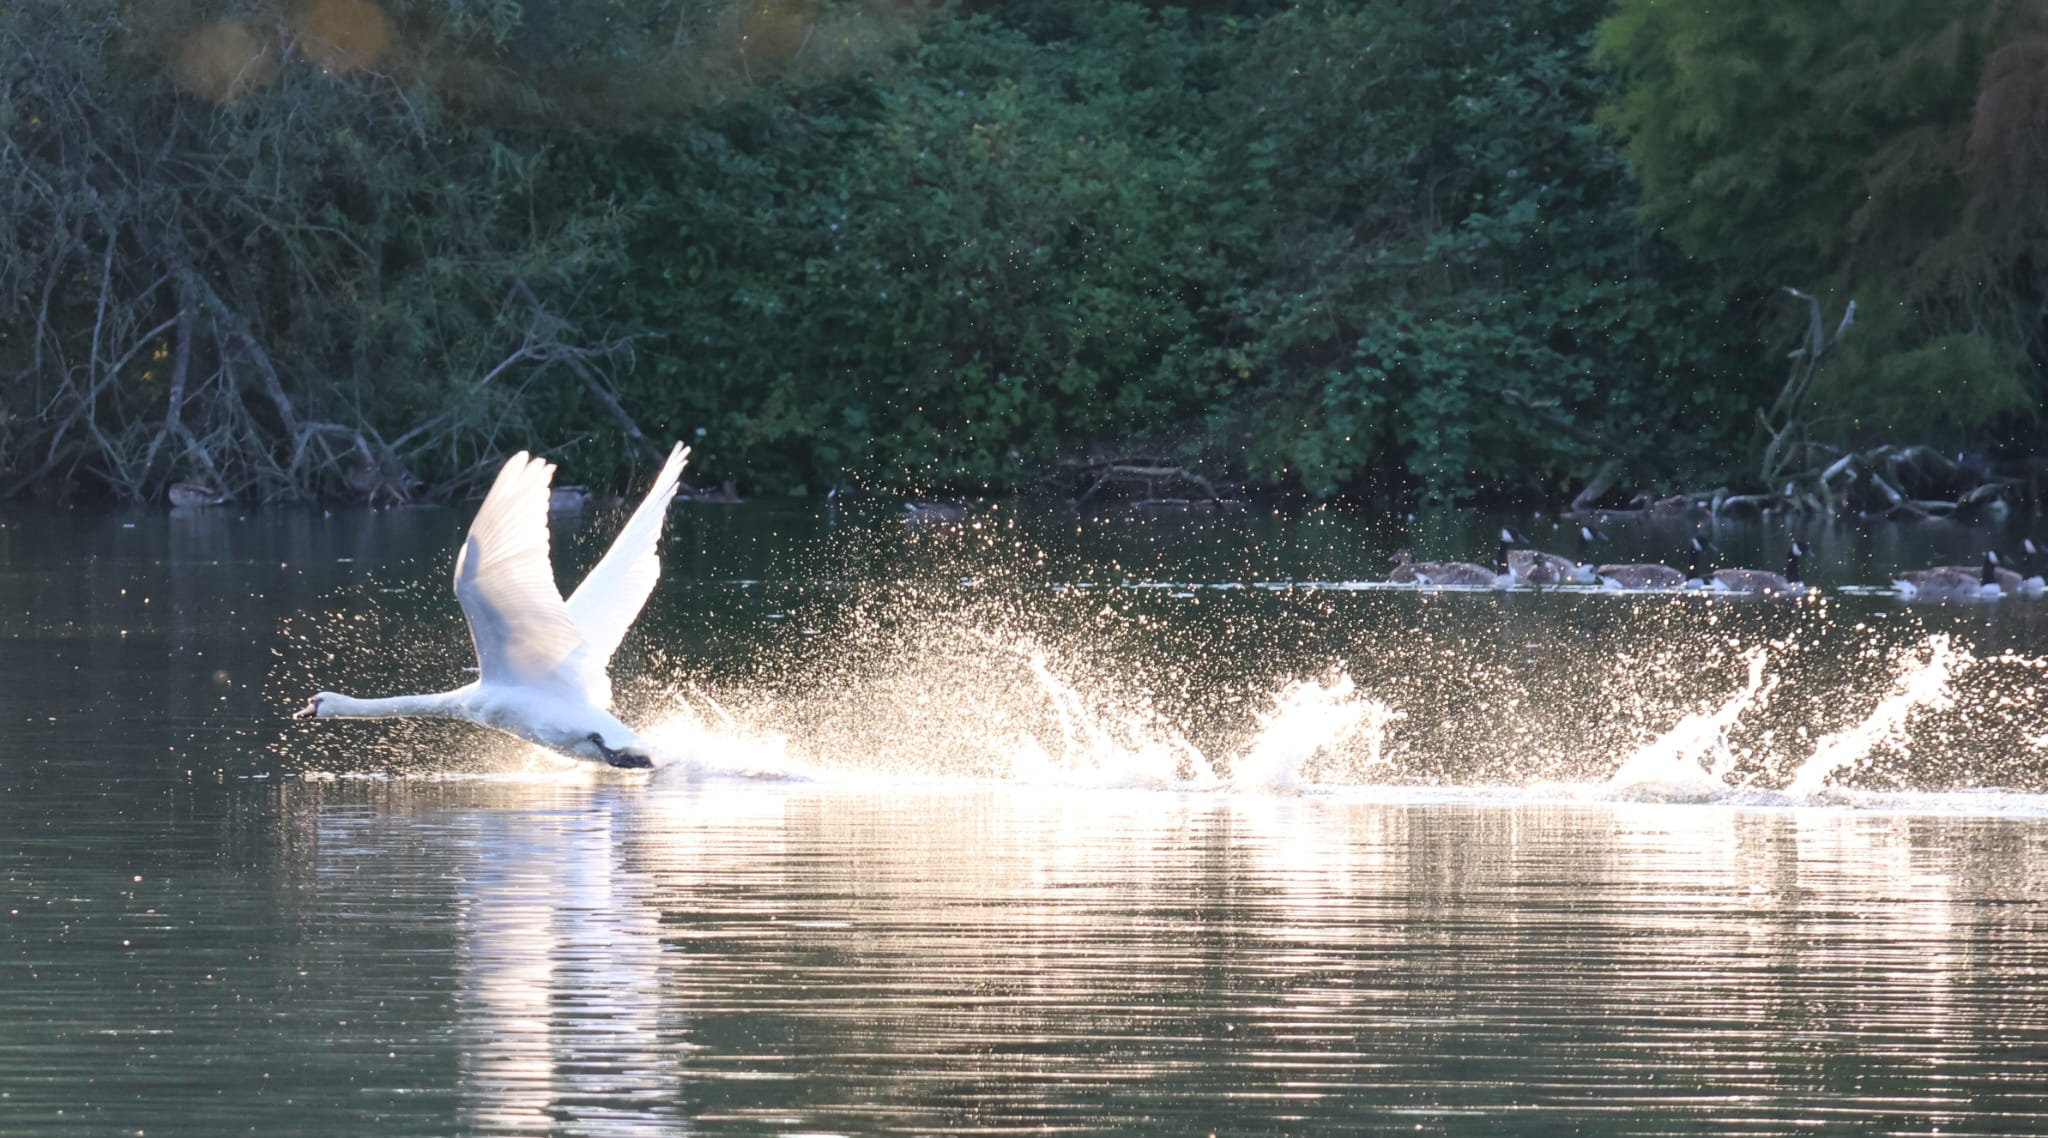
(317, 707)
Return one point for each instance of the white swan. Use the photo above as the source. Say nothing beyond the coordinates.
(540, 660)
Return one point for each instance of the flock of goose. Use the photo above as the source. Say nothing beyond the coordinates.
(1515, 563)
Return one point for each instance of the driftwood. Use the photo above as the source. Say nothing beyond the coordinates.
(1808, 476)
(546, 343)
(1887, 481)
(1597, 487)
(1149, 475)
(1672, 505)
(192, 309)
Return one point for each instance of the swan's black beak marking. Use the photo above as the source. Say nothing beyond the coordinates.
(310, 711)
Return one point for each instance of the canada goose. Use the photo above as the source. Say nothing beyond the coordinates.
(192, 495)
(1535, 567)
(1455, 574)
(1954, 582)
(2008, 582)
(1761, 583)
(1404, 572)
(1655, 576)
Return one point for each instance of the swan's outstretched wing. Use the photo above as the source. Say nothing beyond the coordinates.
(523, 632)
(605, 604)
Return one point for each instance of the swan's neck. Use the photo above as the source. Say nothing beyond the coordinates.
(436, 705)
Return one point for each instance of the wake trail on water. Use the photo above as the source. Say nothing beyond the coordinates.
(1781, 734)
(1318, 694)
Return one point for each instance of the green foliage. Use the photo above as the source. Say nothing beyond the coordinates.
(232, 267)
(947, 274)
(1318, 244)
(1337, 246)
(1891, 151)
(1944, 391)
(1441, 270)
(306, 249)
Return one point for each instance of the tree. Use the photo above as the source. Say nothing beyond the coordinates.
(1436, 275)
(1885, 151)
(332, 247)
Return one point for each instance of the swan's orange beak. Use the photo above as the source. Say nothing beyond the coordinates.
(311, 710)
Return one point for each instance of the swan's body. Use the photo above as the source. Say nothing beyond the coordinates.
(541, 661)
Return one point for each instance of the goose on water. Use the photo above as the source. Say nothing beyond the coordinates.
(2031, 582)
(2010, 583)
(1656, 576)
(1958, 582)
(541, 661)
(1535, 567)
(1454, 574)
(1760, 582)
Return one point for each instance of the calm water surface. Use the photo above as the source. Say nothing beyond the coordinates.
(1061, 827)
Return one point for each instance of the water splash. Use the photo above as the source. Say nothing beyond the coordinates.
(1310, 722)
(1694, 757)
(703, 737)
(1921, 682)
(1123, 746)
(1007, 680)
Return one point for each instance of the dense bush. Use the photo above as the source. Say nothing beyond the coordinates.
(1313, 246)
(969, 265)
(344, 246)
(327, 249)
(1442, 273)
(1889, 152)
(233, 254)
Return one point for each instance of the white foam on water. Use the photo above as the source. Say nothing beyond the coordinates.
(700, 737)
(1920, 682)
(954, 695)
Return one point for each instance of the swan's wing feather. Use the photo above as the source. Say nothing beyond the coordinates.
(523, 632)
(605, 605)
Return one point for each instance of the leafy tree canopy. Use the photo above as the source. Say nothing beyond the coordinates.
(1886, 151)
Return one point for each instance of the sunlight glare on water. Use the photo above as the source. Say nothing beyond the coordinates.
(1003, 674)
(959, 845)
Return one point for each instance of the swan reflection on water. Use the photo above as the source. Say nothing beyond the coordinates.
(763, 957)
(560, 980)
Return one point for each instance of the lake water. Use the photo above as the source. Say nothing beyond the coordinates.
(1054, 825)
